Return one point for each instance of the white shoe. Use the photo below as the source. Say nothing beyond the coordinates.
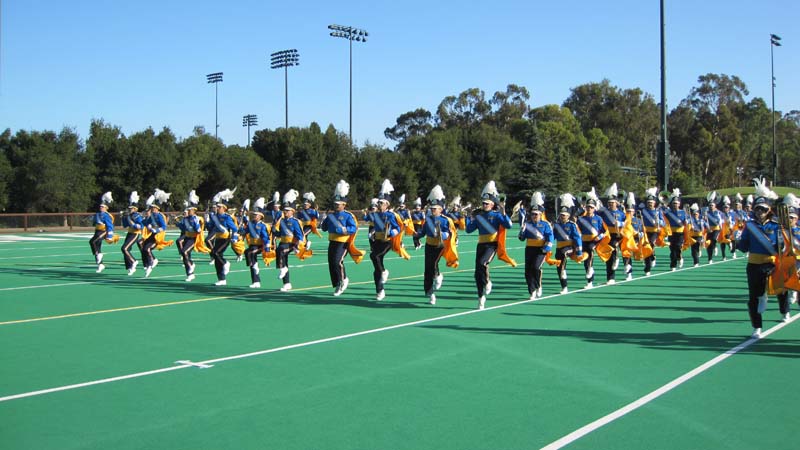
(696, 265)
(786, 317)
(438, 281)
(100, 267)
(337, 292)
(716, 249)
(191, 269)
(255, 285)
(98, 258)
(564, 274)
(628, 268)
(482, 302)
(155, 262)
(488, 289)
(539, 292)
(564, 291)
(680, 263)
(532, 297)
(133, 266)
(673, 269)
(226, 268)
(221, 283)
(381, 295)
(345, 283)
(724, 258)
(794, 297)
(711, 261)
(148, 271)
(647, 274)
(629, 277)
(286, 287)
(616, 264)
(189, 277)
(432, 300)
(654, 263)
(282, 272)
(734, 256)
(589, 285)
(308, 245)
(756, 333)
(211, 263)
(611, 282)
(131, 271)
(384, 276)
(590, 273)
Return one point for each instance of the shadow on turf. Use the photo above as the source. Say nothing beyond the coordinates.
(658, 341)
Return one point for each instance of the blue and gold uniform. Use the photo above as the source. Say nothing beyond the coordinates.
(762, 238)
(154, 223)
(614, 220)
(653, 221)
(133, 222)
(592, 232)
(676, 219)
(700, 229)
(714, 219)
(309, 217)
(257, 235)
(225, 231)
(488, 223)
(538, 237)
(340, 225)
(385, 226)
(288, 234)
(103, 224)
(190, 226)
(437, 231)
(417, 219)
(568, 241)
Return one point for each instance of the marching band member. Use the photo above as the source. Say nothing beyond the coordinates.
(257, 235)
(795, 235)
(373, 207)
(439, 231)
(740, 216)
(418, 219)
(103, 230)
(491, 222)
(276, 212)
(614, 220)
(636, 235)
(191, 228)
(568, 239)
(713, 220)
(455, 213)
(341, 227)
(760, 238)
(309, 217)
(289, 234)
(676, 219)
(132, 220)
(592, 233)
(225, 232)
(385, 226)
(154, 228)
(727, 240)
(653, 222)
(700, 229)
(538, 235)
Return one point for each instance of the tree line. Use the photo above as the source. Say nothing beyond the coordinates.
(600, 134)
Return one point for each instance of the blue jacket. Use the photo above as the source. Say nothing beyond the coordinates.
(487, 222)
(760, 240)
(339, 223)
(588, 225)
(566, 235)
(223, 223)
(155, 223)
(715, 219)
(103, 221)
(614, 219)
(189, 223)
(305, 216)
(429, 228)
(256, 230)
(132, 220)
(538, 234)
(384, 224)
(653, 219)
(676, 218)
(698, 225)
(288, 228)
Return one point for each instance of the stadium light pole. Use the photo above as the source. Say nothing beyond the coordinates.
(662, 156)
(351, 34)
(215, 78)
(285, 59)
(774, 41)
(248, 121)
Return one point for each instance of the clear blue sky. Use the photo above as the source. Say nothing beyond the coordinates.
(143, 63)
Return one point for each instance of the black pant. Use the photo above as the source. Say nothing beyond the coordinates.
(561, 255)
(336, 254)
(484, 255)
(652, 237)
(379, 249)
(588, 248)
(218, 253)
(96, 242)
(282, 258)
(612, 261)
(757, 275)
(433, 253)
(147, 250)
(534, 258)
(185, 248)
(675, 246)
(130, 240)
(698, 243)
(251, 256)
(712, 244)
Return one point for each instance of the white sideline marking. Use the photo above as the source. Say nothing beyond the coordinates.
(15, 238)
(341, 337)
(605, 420)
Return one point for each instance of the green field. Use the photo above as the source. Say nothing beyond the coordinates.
(306, 370)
